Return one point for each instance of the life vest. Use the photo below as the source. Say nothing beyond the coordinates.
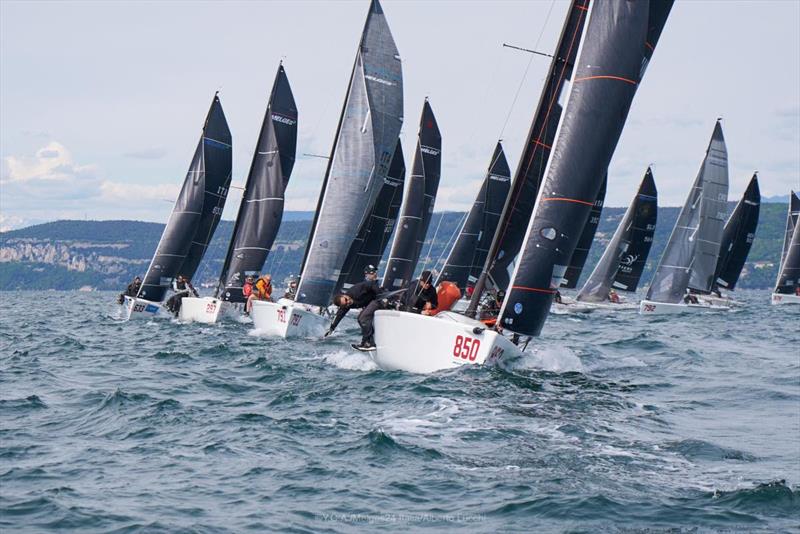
(264, 289)
(447, 295)
(247, 289)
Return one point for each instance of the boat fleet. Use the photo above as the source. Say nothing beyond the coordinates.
(526, 236)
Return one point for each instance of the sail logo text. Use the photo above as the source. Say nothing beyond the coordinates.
(429, 150)
(284, 120)
(378, 80)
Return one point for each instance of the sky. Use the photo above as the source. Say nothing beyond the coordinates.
(102, 103)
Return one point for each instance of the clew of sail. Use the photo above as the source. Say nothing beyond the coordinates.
(197, 209)
(738, 236)
(362, 153)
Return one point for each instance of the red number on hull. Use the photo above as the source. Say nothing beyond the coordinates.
(466, 348)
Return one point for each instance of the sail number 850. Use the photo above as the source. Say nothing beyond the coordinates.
(466, 348)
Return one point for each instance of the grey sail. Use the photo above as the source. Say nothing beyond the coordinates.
(466, 259)
(607, 74)
(197, 209)
(621, 265)
(789, 274)
(418, 201)
(362, 153)
(373, 236)
(261, 209)
(674, 270)
(713, 213)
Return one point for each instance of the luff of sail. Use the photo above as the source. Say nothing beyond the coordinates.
(468, 254)
(623, 261)
(672, 275)
(362, 153)
(738, 236)
(789, 274)
(373, 236)
(197, 209)
(261, 209)
(578, 260)
(713, 212)
(605, 81)
(418, 202)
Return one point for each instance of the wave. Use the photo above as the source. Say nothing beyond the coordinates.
(696, 449)
(350, 361)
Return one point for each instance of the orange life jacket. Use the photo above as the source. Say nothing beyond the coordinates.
(263, 289)
(447, 295)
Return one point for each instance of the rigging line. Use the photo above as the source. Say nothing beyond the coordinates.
(433, 240)
(451, 240)
(527, 68)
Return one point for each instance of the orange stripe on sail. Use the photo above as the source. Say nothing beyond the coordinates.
(561, 199)
(620, 78)
(537, 142)
(535, 289)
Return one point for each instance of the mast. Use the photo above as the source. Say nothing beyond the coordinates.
(606, 77)
(418, 201)
(581, 253)
(737, 237)
(466, 258)
(623, 261)
(362, 152)
(261, 208)
(197, 209)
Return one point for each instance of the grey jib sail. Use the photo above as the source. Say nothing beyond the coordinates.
(789, 274)
(737, 238)
(197, 210)
(624, 259)
(262, 202)
(373, 236)
(418, 201)
(466, 259)
(362, 152)
(578, 260)
(679, 259)
(606, 77)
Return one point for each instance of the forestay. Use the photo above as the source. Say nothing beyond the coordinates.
(197, 209)
(261, 209)
(365, 141)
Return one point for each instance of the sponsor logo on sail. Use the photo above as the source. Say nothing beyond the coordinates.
(284, 120)
(375, 79)
(428, 150)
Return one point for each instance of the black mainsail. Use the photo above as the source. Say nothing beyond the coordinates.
(197, 209)
(370, 244)
(466, 259)
(697, 231)
(789, 273)
(581, 253)
(737, 237)
(365, 141)
(607, 74)
(624, 259)
(418, 201)
(261, 209)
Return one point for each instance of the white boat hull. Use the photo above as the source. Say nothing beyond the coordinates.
(136, 308)
(610, 305)
(780, 298)
(650, 307)
(201, 309)
(422, 344)
(287, 319)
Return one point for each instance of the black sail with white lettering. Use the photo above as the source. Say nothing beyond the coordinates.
(605, 81)
(581, 253)
(468, 254)
(362, 153)
(623, 261)
(261, 209)
(418, 201)
(673, 273)
(738, 235)
(197, 208)
(789, 274)
(369, 246)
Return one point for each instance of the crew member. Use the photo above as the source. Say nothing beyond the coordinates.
(613, 297)
(131, 291)
(362, 295)
(689, 298)
(447, 294)
(247, 287)
(421, 294)
(182, 288)
(291, 289)
(557, 297)
(491, 309)
(262, 291)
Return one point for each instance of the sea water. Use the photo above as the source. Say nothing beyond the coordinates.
(611, 422)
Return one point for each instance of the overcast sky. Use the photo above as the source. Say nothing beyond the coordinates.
(102, 103)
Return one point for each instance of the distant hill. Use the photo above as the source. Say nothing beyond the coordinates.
(108, 254)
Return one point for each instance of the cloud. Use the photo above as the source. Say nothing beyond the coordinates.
(122, 192)
(51, 163)
(147, 153)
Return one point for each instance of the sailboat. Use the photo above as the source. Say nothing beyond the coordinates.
(366, 139)
(193, 220)
(787, 287)
(261, 209)
(418, 201)
(466, 258)
(689, 261)
(621, 265)
(607, 72)
(737, 238)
